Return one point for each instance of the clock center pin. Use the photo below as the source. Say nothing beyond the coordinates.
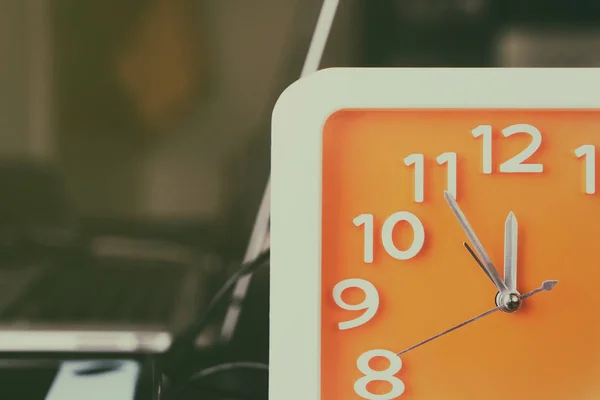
(509, 302)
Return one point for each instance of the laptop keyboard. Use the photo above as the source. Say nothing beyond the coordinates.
(100, 294)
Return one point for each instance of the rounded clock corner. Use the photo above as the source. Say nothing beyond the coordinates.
(335, 114)
(319, 91)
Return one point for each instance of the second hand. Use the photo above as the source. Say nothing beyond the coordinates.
(547, 285)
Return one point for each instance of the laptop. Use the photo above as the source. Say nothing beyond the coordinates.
(109, 293)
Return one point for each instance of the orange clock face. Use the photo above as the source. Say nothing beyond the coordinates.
(395, 272)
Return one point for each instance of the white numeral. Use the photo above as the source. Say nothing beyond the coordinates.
(450, 159)
(486, 132)
(388, 240)
(419, 161)
(387, 375)
(589, 152)
(370, 304)
(367, 221)
(515, 164)
(387, 235)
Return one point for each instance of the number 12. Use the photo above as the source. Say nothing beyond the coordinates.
(516, 164)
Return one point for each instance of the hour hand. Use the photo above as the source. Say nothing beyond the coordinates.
(488, 266)
(511, 228)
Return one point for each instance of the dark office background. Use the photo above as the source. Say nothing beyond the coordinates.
(157, 111)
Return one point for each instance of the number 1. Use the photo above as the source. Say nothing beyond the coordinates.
(450, 159)
(589, 152)
(367, 221)
(419, 161)
(486, 132)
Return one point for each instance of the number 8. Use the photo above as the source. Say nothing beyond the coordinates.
(360, 386)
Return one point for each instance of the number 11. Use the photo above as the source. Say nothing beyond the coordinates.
(418, 160)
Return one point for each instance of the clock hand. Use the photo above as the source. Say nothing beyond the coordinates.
(547, 285)
(477, 260)
(508, 301)
(511, 228)
(486, 261)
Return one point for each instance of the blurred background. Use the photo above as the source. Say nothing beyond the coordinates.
(149, 119)
(155, 113)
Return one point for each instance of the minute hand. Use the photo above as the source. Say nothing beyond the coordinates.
(546, 285)
(477, 246)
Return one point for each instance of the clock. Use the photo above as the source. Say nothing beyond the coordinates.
(435, 235)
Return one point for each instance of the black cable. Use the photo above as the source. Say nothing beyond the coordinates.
(224, 367)
(197, 384)
(206, 392)
(183, 345)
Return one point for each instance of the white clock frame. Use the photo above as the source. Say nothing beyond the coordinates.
(297, 127)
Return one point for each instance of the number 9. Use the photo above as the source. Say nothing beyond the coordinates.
(370, 304)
